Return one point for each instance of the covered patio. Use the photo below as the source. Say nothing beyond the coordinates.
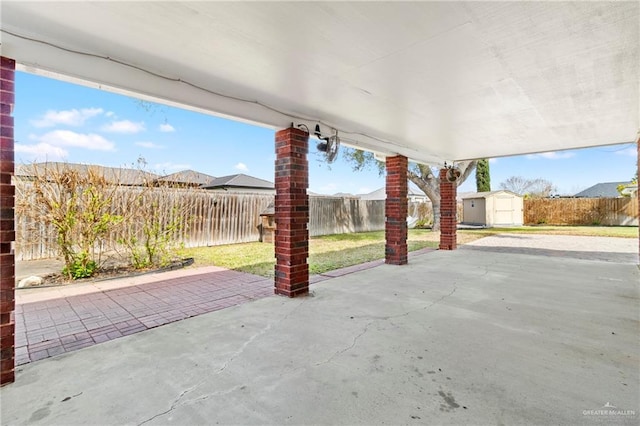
(435, 83)
(486, 334)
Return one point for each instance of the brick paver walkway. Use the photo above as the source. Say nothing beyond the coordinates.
(56, 326)
(55, 323)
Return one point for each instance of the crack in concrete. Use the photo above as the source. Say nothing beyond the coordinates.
(424, 308)
(209, 395)
(387, 318)
(348, 348)
(177, 402)
(242, 348)
(173, 406)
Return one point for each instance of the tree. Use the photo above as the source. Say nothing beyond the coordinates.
(77, 205)
(483, 178)
(534, 188)
(425, 177)
(154, 214)
(623, 188)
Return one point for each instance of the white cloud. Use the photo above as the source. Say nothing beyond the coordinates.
(165, 167)
(110, 114)
(551, 155)
(166, 128)
(242, 167)
(632, 151)
(67, 138)
(329, 187)
(72, 117)
(493, 160)
(41, 151)
(364, 190)
(149, 145)
(124, 126)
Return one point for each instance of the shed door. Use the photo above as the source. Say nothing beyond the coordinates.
(474, 211)
(503, 210)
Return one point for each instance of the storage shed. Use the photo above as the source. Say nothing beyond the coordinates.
(495, 208)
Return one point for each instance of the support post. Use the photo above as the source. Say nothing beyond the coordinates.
(7, 223)
(292, 213)
(396, 208)
(448, 213)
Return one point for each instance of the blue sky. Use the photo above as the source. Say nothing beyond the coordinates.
(59, 121)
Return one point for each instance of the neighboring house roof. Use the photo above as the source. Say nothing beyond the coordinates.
(381, 193)
(239, 181)
(123, 176)
(188, 177)
(486, 194)
(378, 194)
(270, 210)
(601, 190)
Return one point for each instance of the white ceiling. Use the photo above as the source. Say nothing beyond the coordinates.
(433, 81)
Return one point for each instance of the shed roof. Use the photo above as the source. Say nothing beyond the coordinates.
(487, 194)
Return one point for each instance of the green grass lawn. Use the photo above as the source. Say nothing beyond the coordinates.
(326, 253)
(331, 252)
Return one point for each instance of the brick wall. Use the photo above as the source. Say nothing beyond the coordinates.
(448, 220)
(292, 213)
(7, 222)
(396, 206)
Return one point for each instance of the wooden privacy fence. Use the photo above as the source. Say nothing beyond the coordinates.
(581, 211)
(208, 218)
(329, 215)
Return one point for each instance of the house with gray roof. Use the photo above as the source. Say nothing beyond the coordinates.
(115, 175)
(601, 190)
(240, 183)
(185, 178)
(414, 194)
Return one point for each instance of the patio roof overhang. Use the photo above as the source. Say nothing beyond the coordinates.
(428, 80)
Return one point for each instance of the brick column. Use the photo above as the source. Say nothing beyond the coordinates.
(7, 224)
(395, 211)
(292, 213)
(448, 209)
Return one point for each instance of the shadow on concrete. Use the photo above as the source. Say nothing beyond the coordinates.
(604, 256)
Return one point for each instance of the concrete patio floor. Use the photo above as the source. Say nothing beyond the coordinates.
(483, 335)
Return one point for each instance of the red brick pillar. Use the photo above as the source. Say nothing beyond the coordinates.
(292, 213)
(7, 224)
(448, 210)
(395, 210)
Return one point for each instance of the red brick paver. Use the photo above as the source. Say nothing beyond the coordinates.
(63, 324)
(56, 326)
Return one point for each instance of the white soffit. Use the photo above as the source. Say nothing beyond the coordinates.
(432, 81)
